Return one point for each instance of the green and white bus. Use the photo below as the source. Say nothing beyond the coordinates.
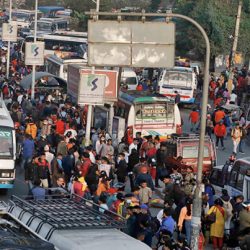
(149, 114)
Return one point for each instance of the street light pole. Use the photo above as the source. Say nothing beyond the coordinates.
(8, 50)
(34, 66)
(234, 48)
(90, 106)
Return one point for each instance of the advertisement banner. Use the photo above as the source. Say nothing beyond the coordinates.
(9, 32)
(34, 53)
(91, 89)
(110, 91)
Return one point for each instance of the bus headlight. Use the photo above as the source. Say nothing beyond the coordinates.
(5, 175)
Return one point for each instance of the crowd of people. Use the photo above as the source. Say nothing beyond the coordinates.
(55, 159)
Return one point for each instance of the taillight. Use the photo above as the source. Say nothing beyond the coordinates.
(178, 129)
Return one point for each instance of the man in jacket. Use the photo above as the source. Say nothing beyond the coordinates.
(220, 131)
(121, 168)
(28, 150)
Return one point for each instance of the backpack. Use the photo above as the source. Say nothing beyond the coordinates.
(228, 208)
(154, 224)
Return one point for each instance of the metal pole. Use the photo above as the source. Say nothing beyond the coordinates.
(97, 5)
(196, 213)
(8, 50)
(234, 48)
(34, 66)
(90, 107)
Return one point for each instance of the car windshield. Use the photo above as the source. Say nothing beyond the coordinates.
(6, 145)
(192, 151)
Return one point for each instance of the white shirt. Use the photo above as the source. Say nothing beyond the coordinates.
(49, 157)
(104, 167)
(233, 97)
(19, 99)
(132, 146)
(91, 157)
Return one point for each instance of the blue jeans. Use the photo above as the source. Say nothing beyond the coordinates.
(188, 231)
(24, 162)
(241, 145)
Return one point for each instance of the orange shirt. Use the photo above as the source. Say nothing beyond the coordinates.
(194, 116)
(219, 115)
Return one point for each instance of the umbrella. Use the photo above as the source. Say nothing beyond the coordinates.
(26, 82)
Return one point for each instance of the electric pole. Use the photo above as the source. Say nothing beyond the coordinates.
(234, 48)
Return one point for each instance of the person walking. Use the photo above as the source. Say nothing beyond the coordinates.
(243, 138)
(28, 150)
(236, 136)
(217, 228)
(185, 219)
(220, 131)
(194, 119)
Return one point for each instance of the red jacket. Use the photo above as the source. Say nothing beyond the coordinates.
(220, 130)
(60, 127)
(85, 167)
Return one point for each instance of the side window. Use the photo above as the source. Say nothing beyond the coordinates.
(215, 178)
(233, 179)
(240, 180)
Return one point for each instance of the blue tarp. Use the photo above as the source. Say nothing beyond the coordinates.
(48, 9)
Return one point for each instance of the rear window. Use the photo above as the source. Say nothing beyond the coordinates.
(129, 80)
(192, 151)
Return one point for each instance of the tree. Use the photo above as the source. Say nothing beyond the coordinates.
(218, 18)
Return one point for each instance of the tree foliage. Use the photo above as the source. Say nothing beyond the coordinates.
(218, 18)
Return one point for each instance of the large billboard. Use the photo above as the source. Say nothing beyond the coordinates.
(131, 43)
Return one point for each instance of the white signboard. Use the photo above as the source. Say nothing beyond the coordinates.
(9, 32)
(34, 53)
(91, 89)
(131, 43)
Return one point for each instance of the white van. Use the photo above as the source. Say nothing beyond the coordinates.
(129, 78)
(236, 180)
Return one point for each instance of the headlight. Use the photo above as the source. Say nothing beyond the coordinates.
(5, 175)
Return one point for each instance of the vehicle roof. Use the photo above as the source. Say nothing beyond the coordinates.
(245, 160)
(180, 69)
(59, 60)
(50, 8)
(231, 107)
(107, 239)
(138, 97)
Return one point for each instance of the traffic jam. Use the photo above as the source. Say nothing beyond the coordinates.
(100, 147)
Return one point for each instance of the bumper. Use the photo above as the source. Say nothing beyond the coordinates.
(188, 101)
(8, 186)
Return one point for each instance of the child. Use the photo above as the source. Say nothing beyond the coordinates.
(145, 193)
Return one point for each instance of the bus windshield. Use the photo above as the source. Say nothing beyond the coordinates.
(42, 26)
(160, 113)
(178, 78)
(6, 145)
(192, 151)
(19, 16)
